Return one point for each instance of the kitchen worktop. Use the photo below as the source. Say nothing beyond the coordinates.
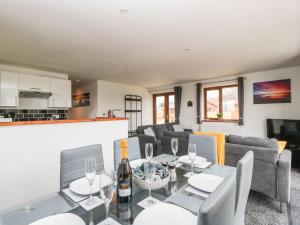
(40, 122)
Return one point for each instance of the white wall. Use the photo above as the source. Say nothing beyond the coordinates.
(111, 96)
(86, 111)
(254, 115)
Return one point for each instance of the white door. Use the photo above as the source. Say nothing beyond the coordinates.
(61, 93)
(9, 89)
(28, 82)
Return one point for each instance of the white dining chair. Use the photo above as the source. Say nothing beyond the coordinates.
(60, 219)
(219, 207)
(133, 150)
(72, 163)
(206, 146)
(243, 185)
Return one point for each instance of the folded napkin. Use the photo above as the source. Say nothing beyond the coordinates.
(203, 165)
(189, 202)
(197, 192)
(73, 196)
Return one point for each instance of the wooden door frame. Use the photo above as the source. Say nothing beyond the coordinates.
(166, 96)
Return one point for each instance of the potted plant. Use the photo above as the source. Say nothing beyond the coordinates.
(220, 116)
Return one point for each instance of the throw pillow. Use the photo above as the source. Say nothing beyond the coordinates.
(178, 128)
(149, 132)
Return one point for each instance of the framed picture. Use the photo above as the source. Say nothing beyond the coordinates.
(81, 100)
(277, 91)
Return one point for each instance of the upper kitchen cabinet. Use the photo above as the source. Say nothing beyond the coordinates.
(9, 89)
(29, 82)
(61, 93)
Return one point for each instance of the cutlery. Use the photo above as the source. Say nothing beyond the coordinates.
(194, 213)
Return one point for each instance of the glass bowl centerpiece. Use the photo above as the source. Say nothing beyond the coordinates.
(162, 177)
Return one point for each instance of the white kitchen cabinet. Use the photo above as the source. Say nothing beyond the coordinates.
(28, 82)
(61, 93)
(9, 89)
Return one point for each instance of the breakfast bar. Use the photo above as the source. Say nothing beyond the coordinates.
(30, 153)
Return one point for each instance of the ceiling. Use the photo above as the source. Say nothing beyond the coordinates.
(155, 43)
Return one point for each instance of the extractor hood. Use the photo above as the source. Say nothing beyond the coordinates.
(34, 94)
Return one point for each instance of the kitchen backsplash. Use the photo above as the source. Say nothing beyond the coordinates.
(35, 114)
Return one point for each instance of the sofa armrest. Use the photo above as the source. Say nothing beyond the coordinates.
(284, 176)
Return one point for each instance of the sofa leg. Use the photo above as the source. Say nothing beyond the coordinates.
(282, 205)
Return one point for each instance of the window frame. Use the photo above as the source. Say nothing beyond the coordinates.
(220, 89)
(166, 111)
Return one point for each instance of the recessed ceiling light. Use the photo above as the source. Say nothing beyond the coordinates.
(187, 49)
(124, 11)
(77, 81)
(65, 51)
(126, 68)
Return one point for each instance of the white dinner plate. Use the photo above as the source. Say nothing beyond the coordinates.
(163, 214)
(60, 219)
(136, 163)
(205, 182)
(186, 160)
(82, 187)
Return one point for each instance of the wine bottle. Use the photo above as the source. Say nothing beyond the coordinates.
(124, 187)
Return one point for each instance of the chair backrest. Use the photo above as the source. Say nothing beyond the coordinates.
(206, 146)
(243, 184)
(218, 208)
(133, 150)
(72, 163)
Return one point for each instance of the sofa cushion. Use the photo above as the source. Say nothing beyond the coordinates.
(260, 153)
(159, 130)
(178, 128)
(170, 126)
(253, 141)
(140, 129)
(149, 131)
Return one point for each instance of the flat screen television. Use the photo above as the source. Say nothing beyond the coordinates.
(287, 130)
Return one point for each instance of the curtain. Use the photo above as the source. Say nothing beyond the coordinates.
(177, 91)
(199, 87)
(241, 100)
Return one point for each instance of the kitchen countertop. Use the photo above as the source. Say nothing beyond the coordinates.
(40, 122)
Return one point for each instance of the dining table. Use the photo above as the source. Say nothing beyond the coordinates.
(174, 193)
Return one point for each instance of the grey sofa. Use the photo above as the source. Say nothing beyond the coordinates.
(162, 140)
(271, 171)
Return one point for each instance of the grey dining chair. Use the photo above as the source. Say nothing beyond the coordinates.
(219, 207)
(206, 146)
(133, 150)
(243, 185)
(72, 163)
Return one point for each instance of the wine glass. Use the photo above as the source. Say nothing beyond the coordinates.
(174, 145)
(107, 192)
(192, 155)
(149, 151)
(149, 171)
(90, 174)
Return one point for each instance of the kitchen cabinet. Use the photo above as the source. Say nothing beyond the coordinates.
(61, 93)
(9, 89)
(28, 82)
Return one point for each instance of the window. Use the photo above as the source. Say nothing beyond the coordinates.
(163, 108)
(221, 100)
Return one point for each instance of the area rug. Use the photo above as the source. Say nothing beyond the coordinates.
(262, 210)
